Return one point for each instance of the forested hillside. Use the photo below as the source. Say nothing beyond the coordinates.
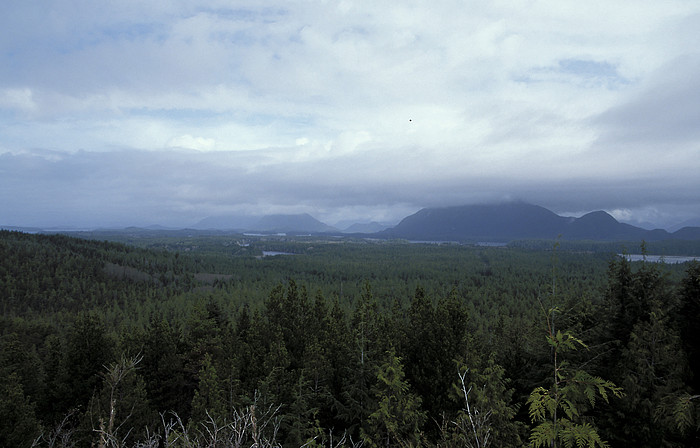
(187, 342)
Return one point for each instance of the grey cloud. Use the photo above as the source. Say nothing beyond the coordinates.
(667, 110)
(345, 80)
(584, 73)
(181, 187)
(587, 68)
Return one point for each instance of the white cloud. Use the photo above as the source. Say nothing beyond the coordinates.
(190, 142)
(391, 103)
(20, 99)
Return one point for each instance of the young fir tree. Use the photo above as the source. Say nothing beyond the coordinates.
(486, 418)
(208, 401)
(398, 419)
(559, 412)
(120, 412)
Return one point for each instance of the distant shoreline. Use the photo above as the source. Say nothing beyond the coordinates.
(669, 259)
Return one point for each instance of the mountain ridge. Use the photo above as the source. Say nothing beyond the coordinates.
(503, 222)
(517, 220)
(302, 222)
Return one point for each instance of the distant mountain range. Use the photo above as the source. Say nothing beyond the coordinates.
(493, 223)
(470, 223)
(280, 223)
(299, 223)
(366, 227)
(512, 221)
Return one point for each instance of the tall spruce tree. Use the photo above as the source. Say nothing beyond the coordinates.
(209, 400)
(359, 371)
(88, 350)
(162, 368)
(653, 367)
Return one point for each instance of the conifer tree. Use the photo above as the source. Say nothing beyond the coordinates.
(689, 318)
(120, 412)
(300, 421)
(360, 369)
(277, 384)
(22, 359)
(162, 369)
(398, 418)
(18, 423)
(208, 401)
(88, 350)
(559, 411)
(487, 415)
(653, 365)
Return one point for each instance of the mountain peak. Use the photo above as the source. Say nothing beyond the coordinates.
(599, 217)
(510, 221)
(499, 222)
(302, 222)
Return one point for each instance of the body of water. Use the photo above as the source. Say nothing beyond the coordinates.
(670, 259)
(272, 253)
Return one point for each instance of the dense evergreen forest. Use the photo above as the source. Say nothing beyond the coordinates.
(206, 341)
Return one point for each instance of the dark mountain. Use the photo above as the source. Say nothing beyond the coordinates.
(511, 221)
(694, 222)
(687, 233)
(600, 226)
(302, 223)
(499, 222)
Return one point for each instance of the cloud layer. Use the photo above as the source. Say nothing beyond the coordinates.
(168, 112)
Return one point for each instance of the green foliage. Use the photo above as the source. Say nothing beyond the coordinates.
(162, 368)
(212, 318)
(121, 411)
(654, 365)
(559, 411)
(398, 419)
(208, 401)
(18, 423)
(360, 369)
(88, 349)
(689, 316)
(487, 414)
(570, 435)
(646, 356)
(685, 413)
(21, 359)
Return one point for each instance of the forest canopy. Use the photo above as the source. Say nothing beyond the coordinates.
(176, 341)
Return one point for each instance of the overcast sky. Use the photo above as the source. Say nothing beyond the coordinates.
(137, 112)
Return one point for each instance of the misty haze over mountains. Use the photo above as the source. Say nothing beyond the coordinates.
(492, 222)
(470, 223)
(506, 222)
(281, 223)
